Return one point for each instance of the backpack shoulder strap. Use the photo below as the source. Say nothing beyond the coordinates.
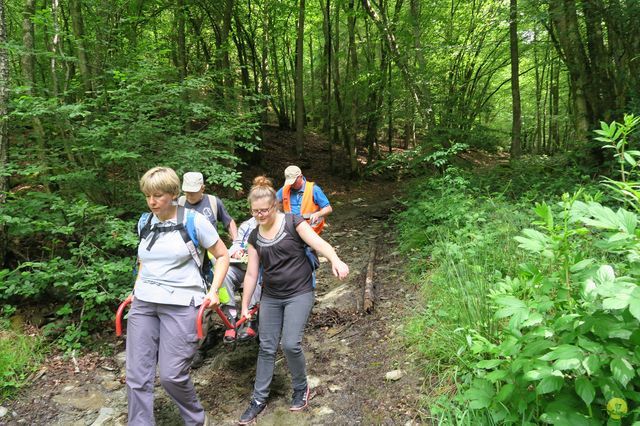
(213, 200)
(181, 200)
(288, 219)
(312, 257)
(191, 227)
(144, 225)
(192, 245)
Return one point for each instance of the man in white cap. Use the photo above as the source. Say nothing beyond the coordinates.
(298, 196)
(209, 205)
(213, 208)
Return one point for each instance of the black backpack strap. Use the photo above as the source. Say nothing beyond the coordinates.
(146, 228)
(156, 230)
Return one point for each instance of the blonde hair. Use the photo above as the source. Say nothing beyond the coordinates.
(160, 179)
(262, 188)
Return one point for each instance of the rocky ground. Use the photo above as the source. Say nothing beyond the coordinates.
(358, 366)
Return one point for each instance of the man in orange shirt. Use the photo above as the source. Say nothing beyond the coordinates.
(304, 198)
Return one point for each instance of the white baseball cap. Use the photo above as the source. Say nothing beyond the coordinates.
(192, 182)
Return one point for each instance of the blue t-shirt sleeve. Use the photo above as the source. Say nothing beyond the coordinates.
(223, 215)
(279, 195)
(319, 198)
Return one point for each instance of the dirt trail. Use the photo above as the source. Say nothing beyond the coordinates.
(348, 353)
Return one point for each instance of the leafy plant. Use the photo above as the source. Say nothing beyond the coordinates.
(567, 350)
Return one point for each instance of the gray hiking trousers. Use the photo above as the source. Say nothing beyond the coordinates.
(162, 335)
(232, 281)
(286, 319)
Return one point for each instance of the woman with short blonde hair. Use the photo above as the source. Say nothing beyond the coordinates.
(168, 291)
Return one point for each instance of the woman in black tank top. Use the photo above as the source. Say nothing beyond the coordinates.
(277, 249)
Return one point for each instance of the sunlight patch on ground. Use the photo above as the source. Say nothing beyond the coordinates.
(331, 298)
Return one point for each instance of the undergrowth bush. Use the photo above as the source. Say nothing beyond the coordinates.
(554, 326)
(77, 261)
(70, 214)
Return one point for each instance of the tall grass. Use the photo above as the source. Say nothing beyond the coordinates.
(19, 356)
(464, 243)
(465, 263)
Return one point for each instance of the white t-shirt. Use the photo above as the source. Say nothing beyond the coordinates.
(168, 274)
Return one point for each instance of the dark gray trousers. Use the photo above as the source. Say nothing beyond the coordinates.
(164, 335)
(282, 318)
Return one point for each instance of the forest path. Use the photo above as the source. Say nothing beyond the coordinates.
(349, 353)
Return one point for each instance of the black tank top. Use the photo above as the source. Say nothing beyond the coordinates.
(286, 271)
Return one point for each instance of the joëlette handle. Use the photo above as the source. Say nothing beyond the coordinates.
(222, 316)
(251, 312)
(200, 316)
(121, 309)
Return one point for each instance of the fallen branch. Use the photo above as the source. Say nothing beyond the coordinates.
(369, 294)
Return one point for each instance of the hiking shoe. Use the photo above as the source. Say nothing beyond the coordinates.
(248, 332)
(198, 359)
(300, 399)
(229, 336)
(252, 412)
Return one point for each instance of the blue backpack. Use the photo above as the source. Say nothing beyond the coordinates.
(187, 232)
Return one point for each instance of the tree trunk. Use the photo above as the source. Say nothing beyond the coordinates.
(299, 80)
(81, 50)
(28, 65)
(279, 107)
(243, 62)
(352, 77)
(420, 95)
(264, 70)
(565, 24)
(374, 105)
(56, 48)
(4, 124)
(312, 102)
(340, 122)
(516, 125)
(28, 59)
(226, 61)
(328, 51)
(390, 114)
(181, 43)
(554, 108)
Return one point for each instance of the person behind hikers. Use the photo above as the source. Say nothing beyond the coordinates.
(209, 205)
(169, 288)
(277, 253)
(232, 281)
(214, 210)
(298, 196)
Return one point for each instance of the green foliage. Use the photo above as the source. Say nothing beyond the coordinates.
(572, 321)
(534, 178)
(564, 346)
(66, 248)
(101, 146)
(540, 327)
(616, 136)
(77, 256)
(417, 161)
